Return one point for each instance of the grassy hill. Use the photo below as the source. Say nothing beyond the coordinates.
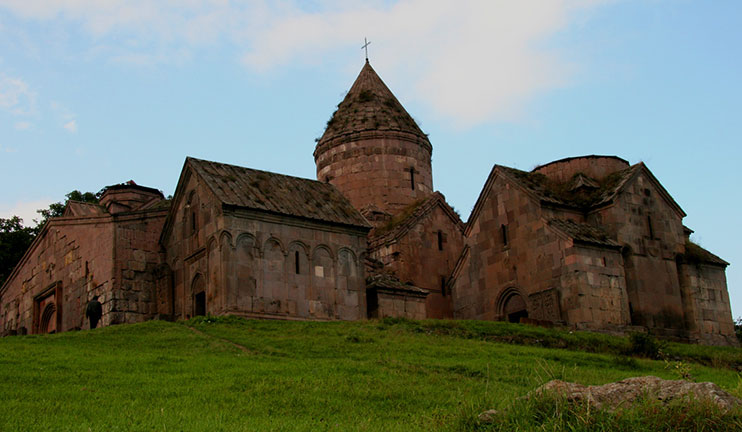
(234, 374)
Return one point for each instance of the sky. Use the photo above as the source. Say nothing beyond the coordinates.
(94, 93)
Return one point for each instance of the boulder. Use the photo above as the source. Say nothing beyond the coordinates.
(624, 393)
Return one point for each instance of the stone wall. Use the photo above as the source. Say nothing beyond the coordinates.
(137, 256)
(593, 288)
(424, 256)
(651, 227)
(397, 305)
(374, 169)
(68, 264)
(527, 259)
(258, 264)
(708, 313)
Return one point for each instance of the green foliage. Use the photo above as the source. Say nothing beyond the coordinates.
(644, 345)
(57, 209)
(14, 240)
(237, 374)
(680, 369)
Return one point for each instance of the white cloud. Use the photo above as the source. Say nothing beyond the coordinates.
(15, 96)
(471, 61)
(71, 126)
(26, 210)
(23, 125)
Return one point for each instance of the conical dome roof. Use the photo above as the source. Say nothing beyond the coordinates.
(370, 106)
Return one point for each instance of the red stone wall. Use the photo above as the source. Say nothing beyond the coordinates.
(708, 312)
(137, 256)
(375, 169)
(73, 255)
(558, 280)
(593, 288)
(416, 258)
(651, 272)
(112, 257)
(401, 306)
(247, 262)
(529, 263)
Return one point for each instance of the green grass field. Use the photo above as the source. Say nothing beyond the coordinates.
(235, 374)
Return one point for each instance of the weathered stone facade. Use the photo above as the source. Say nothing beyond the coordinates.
(230, 257)
(588, 242)
(108, 250)
(593, 243)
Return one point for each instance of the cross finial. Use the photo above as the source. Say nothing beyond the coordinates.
(365, 46)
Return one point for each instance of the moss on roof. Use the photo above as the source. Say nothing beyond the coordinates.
(564, 193)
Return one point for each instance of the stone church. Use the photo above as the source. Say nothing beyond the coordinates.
(587, 242)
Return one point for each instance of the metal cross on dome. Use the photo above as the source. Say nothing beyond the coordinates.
(365, 46)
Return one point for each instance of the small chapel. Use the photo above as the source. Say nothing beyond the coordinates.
(589, 243)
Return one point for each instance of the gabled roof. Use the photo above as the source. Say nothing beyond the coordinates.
(388, 282)
(83, 209)
(370, 106)
(565, 195)
(695, 254)
(584, 233)
(276, 193)
(408, 217)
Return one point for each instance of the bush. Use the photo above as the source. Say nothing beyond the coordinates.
(645, 345)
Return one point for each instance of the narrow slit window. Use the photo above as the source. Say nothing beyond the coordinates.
(412, 178)
(443, 286)
(504, 230)
(649, 225)
(440, 240)
(193, 222)
(296, 262)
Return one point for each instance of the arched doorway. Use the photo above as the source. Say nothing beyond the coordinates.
(512, 306)
(198, 288)
(48, 322)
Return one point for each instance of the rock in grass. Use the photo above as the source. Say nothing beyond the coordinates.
(623, 393)
(488, 416)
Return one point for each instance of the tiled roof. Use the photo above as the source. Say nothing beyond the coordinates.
(276, 193)
(392, 283)
(369, 106)
(564, 194)
(406, 218)
(583, 233)
(696, 254)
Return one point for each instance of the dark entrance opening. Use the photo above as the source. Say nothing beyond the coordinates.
(372, 303)
(199, 304)
(515, 308)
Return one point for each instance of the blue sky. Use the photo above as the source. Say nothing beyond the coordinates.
(95, 93)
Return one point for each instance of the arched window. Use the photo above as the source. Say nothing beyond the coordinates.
(190, 214)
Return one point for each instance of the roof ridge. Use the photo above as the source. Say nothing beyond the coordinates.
(241, 187)
(370, 105)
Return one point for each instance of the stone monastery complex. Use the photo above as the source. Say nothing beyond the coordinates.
(587, 242)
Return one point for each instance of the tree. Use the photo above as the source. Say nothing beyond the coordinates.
(14, 241)
(56, 209)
